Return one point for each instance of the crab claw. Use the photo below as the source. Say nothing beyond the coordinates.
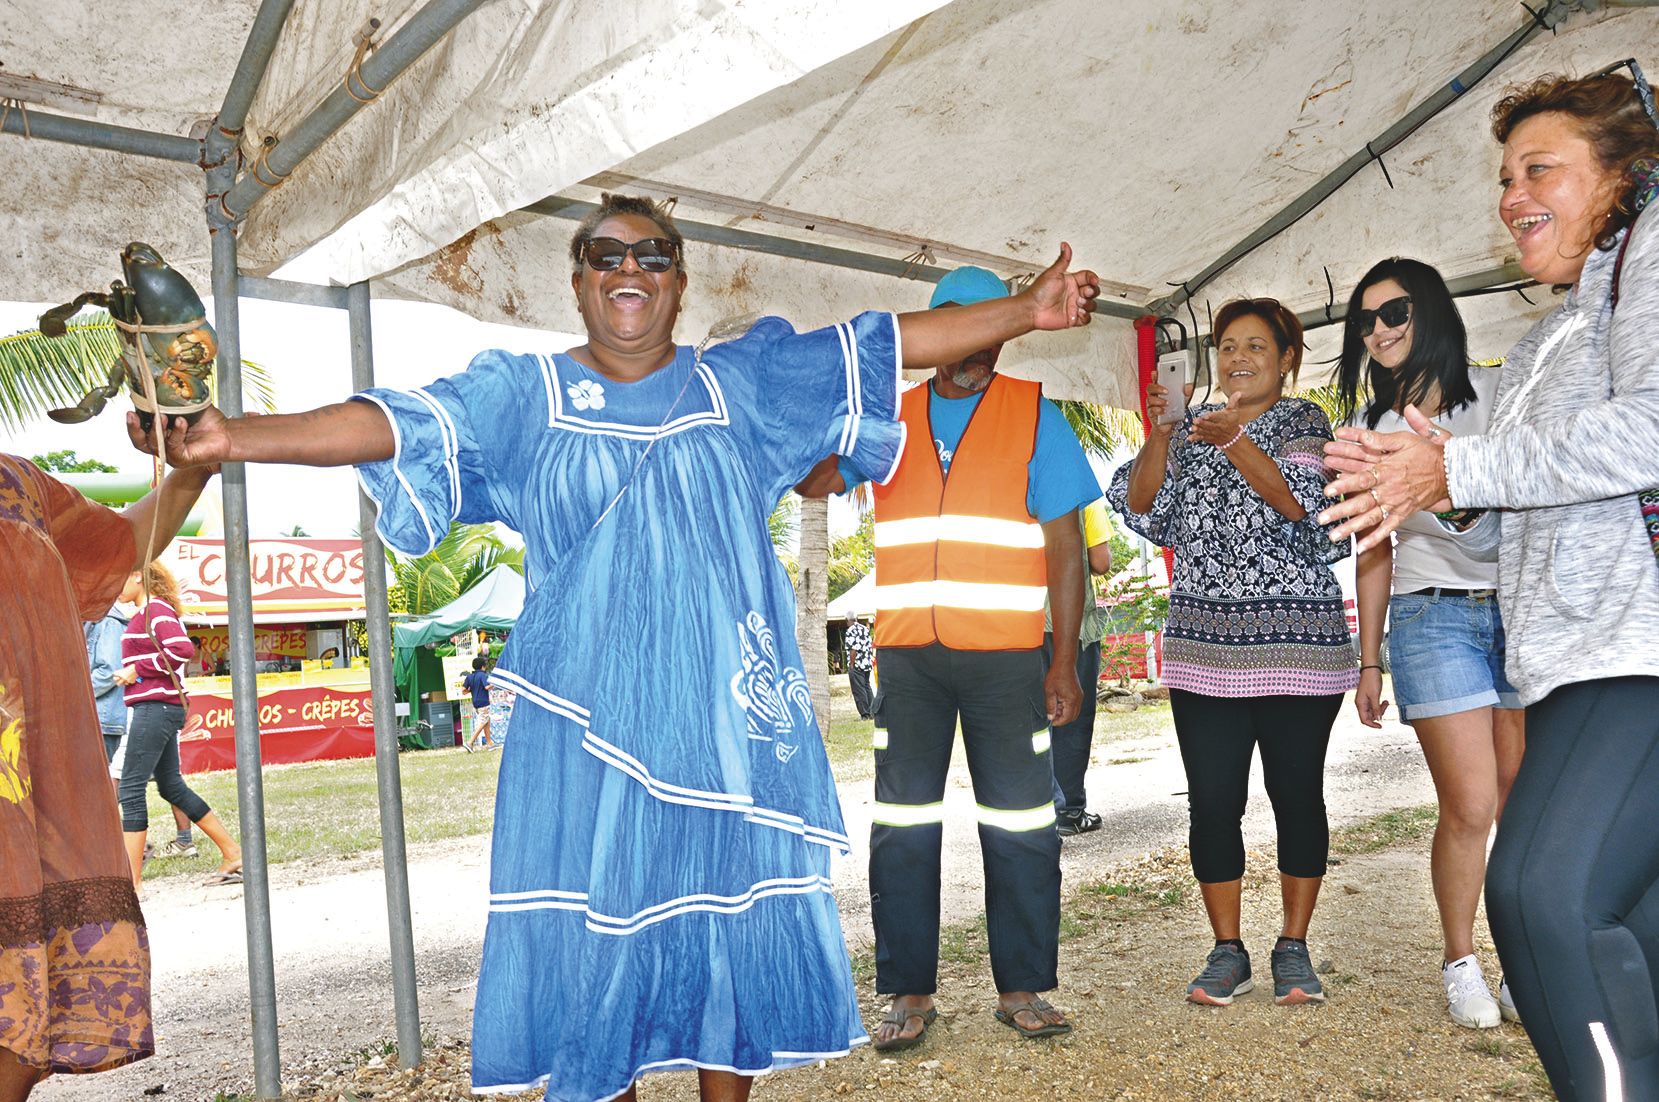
(55, 322)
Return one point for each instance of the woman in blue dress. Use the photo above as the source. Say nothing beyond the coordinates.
(659, 886)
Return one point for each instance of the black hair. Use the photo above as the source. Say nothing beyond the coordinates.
(479, 662)
(1439, 356)
(638, 205)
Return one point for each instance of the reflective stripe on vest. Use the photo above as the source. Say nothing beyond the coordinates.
(960, 559)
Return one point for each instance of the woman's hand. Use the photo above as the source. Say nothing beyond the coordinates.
(1157, 401)
(126, 675)
(205, 443)
(1368, 701)
(1219, 426)
(1385, 477)
(1061, 299)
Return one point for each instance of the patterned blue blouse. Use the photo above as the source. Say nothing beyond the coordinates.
(1253, 606)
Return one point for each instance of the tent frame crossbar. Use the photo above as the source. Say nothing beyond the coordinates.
(1548, 18)
(100, 135)
(575, 210)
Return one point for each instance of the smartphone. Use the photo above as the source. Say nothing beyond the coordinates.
(1171, 374)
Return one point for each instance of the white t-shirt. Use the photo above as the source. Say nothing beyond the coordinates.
(1425, 554)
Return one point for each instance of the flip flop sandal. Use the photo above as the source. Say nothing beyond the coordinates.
(900, 1018)
(234, 876)
(1009, 1018)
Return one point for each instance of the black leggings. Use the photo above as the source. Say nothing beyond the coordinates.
(1218, 736)
(1570, 888)
(153, 749)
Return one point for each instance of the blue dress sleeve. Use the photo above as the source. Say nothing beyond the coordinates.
(1299, 452)
(1161, 522)
(456, 454)
(798, 397)
(1061, 479)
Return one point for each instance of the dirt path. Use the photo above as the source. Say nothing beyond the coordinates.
(1384, 1033)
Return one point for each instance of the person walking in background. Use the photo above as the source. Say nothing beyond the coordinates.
(1404, 344)
(103, 653)
(1073, 741)
(74, 956)
(154, 649)
(1568, 471)
(1256, 651)
(477, 683)
(861, 659)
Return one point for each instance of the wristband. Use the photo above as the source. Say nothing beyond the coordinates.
(1371, 666)
(1237, 436)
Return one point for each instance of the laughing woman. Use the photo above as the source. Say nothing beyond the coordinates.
(1405, 344)
(659, 885)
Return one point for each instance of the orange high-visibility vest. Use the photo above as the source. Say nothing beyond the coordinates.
(959, 558)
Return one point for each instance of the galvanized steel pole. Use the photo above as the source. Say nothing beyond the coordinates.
(357, 91)
(99, 135)
(250, 787)
(405, 998)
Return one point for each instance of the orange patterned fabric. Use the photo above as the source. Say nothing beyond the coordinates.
(74, 958)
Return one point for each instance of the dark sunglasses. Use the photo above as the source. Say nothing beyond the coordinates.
(1394, 313)
(605, 254)
(1644, 91)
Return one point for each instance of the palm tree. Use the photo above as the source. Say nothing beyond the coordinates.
(811, 602)
(462, 559)
(38, 373)
(1103, 430)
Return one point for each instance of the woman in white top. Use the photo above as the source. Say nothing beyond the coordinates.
(1405, 344)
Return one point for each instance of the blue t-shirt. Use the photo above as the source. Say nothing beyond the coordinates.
(478, 684)
(1059, 476)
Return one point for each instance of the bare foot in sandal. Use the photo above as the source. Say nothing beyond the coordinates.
(905, 1024)
(1030, 1015)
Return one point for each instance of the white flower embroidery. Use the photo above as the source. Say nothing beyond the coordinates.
(771, 694)
(586, 394)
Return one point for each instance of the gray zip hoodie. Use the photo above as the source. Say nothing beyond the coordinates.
(1574, 436)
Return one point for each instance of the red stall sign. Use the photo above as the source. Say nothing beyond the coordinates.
(304, 724)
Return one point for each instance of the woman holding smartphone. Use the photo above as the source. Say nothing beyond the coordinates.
(1405, 344)
(1256, 650)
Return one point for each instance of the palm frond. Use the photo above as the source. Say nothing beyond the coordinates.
(38, 373)
(1103, 430)
(1326, 398)
(461, 560)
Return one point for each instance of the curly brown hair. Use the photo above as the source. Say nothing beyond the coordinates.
(612, 205)
(159, 582)
(1284, 325)
(1608, 114)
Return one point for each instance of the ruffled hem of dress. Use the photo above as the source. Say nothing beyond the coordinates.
(781, 1061)
(666, 791)
(1208, 681)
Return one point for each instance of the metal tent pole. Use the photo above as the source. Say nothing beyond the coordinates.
(99, 135)
(359, 89)
(405, 998)
(1549, 18)
(250, 786)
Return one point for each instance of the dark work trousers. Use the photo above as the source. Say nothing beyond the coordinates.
(1218, 736)
(153, 750)
(999, 697)
(1570, 888)
(860, 682)
(1072, 741)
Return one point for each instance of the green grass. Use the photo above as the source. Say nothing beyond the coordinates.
(329, 808)
(1385, 831)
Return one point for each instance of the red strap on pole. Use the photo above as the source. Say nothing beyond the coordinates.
(1146, 343)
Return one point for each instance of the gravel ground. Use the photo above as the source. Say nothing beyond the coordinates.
(1124, 964)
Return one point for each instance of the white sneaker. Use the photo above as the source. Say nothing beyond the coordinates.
(1506, 1004)
(1467, 996)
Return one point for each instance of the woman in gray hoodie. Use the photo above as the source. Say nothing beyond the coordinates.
(1567, 459)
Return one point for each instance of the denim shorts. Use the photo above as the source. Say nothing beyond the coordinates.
(1446, 655)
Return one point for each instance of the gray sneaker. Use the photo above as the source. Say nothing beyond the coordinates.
(176, 848)
(1294, 980)
(1226, 973)
(1506, 1004)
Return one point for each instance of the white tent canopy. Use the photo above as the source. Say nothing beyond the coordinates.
(1151, 137)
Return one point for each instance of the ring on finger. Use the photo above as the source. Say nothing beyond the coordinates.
(1376, 478)
(1382, 509)
(1373, 492)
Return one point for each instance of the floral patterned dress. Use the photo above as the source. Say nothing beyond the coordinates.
(74, 958)
(1254, 609)
(659, 875)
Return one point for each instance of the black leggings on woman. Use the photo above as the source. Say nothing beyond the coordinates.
(153, 749)
(1218, 737)
(1570, 888)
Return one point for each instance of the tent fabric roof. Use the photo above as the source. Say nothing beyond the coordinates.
(1151, 138)
(860, 599)
(494, 604)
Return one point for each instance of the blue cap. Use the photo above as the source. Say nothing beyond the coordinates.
(966, 286)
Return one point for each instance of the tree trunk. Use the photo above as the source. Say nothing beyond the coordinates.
(811, 599)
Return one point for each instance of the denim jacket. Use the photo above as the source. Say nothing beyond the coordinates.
(103, 653)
